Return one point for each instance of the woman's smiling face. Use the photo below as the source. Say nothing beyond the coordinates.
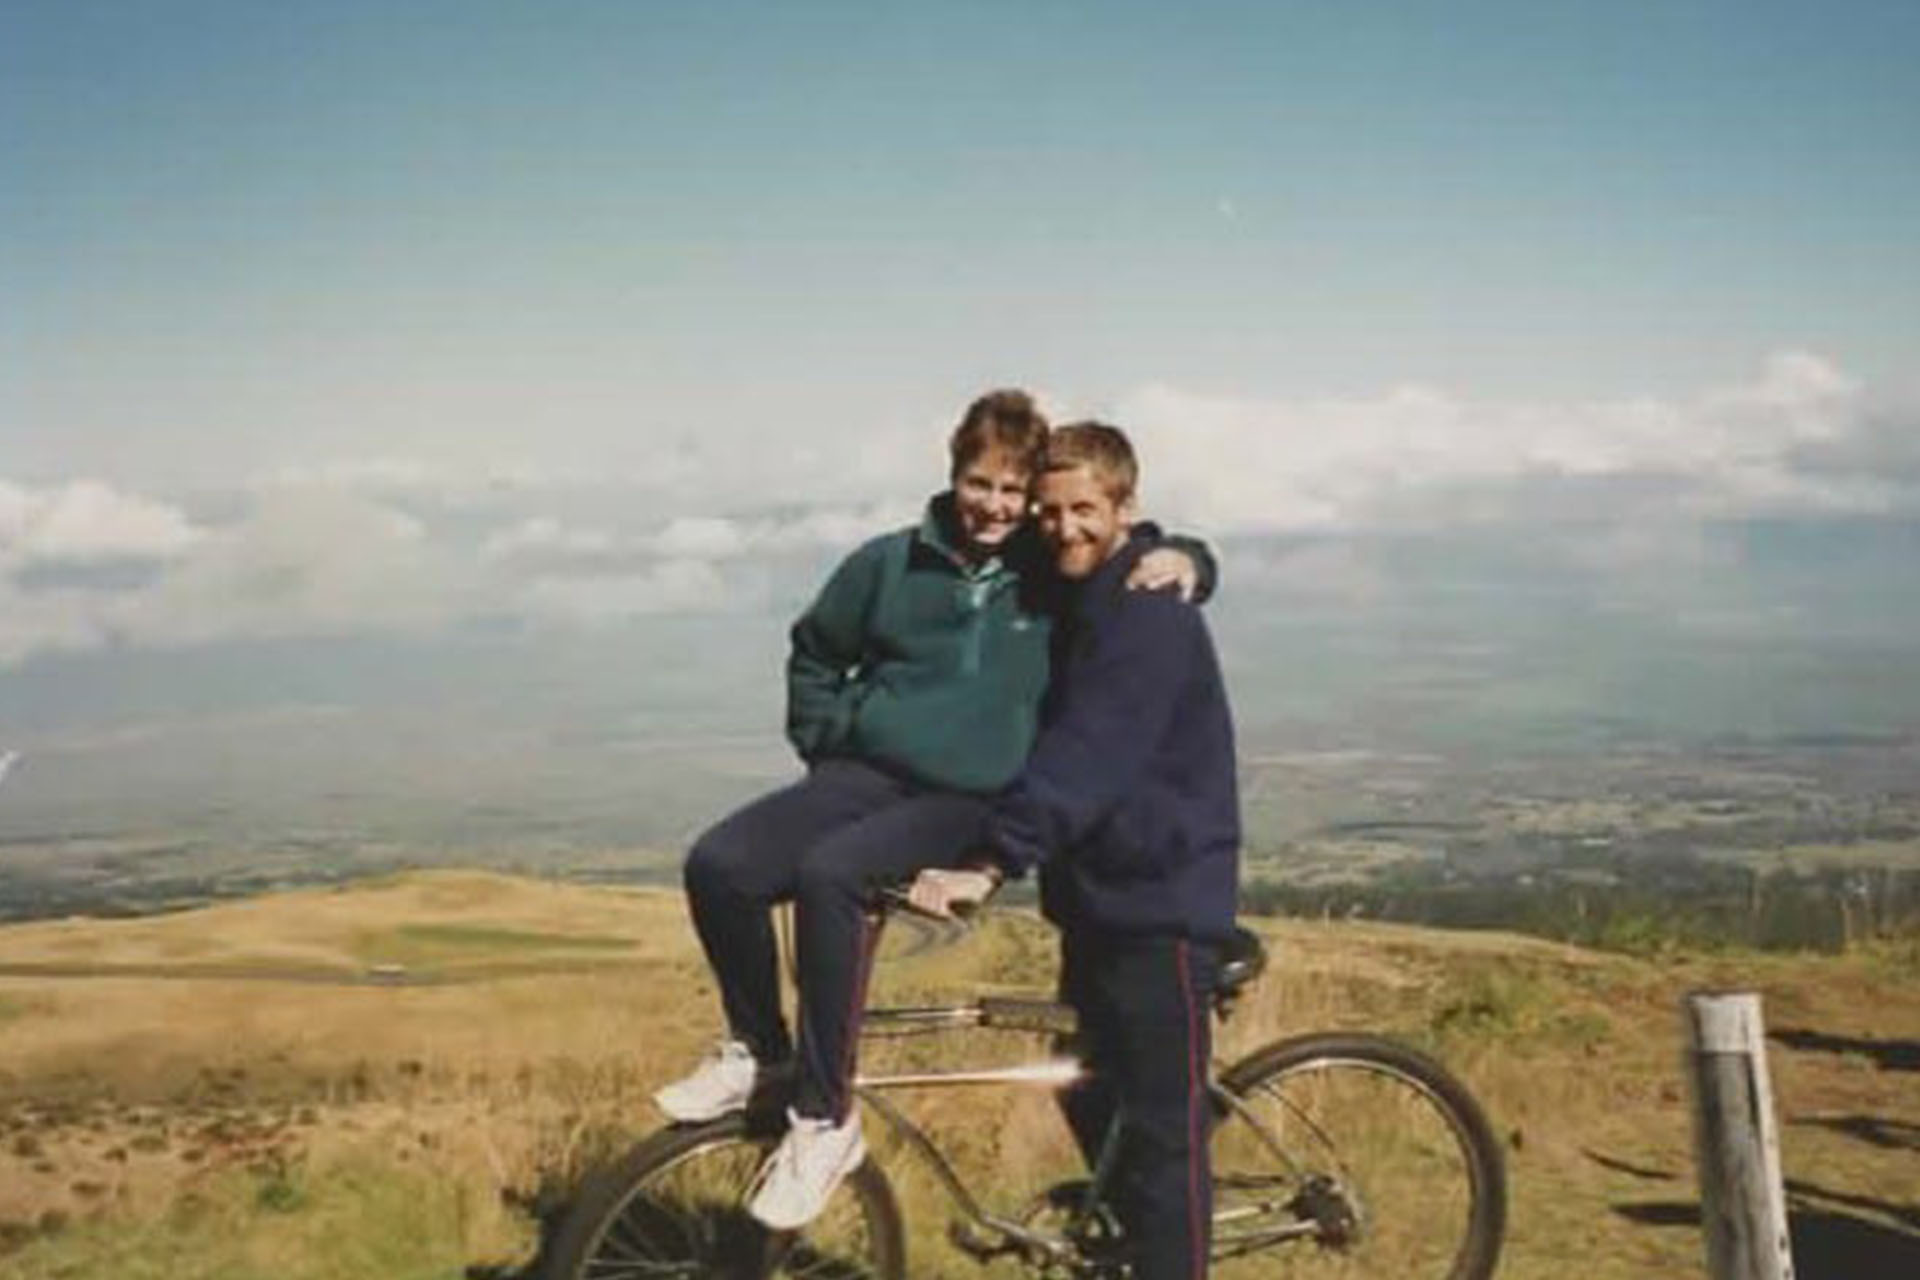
(990, 497)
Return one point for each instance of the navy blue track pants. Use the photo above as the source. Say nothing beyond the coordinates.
(1143, 1005)
(821, 843)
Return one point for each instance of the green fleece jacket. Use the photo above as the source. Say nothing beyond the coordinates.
(916, 661)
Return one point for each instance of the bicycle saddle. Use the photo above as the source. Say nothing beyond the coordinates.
(1242, 959)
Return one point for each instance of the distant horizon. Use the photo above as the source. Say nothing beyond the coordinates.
(444, 752)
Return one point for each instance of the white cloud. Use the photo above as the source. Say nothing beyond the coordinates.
(847, 527)
(672, 586)
(706, 538)
(718, 538)
(86, 522)
(37, 622)
(544, 545)
(1622, 487)
(418, 479)
(354, 549)
(305, 563)
(1419, 456)
(296, 563)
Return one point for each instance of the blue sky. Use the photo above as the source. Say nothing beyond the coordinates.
(347, 321)
(475, 209)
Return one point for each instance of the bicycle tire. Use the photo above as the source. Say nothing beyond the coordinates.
(675, 1205)
(1390, 1168)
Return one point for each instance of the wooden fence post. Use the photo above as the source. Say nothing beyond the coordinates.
(1743, 1211)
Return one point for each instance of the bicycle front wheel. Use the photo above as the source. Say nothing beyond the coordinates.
(675, 1206)
(1352, 1157)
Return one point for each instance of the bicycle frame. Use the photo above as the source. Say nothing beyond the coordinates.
(1282, 1170)
(1053, 1073)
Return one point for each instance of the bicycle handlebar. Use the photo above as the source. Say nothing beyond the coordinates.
(894, 897)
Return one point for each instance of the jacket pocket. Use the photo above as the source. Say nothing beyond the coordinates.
(1144, 839)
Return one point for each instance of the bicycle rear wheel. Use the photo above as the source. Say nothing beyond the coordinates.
(675, 1206)
(1352, 1157)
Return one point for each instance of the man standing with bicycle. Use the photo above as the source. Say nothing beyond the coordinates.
(1128, 806)
(913, 686)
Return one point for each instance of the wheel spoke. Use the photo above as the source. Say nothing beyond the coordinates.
(1383, 1175)
(677, 1208)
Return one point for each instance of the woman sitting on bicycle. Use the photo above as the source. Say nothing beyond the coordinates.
(913, 689)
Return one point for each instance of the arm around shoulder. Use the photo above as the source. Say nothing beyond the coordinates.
(1180, 561)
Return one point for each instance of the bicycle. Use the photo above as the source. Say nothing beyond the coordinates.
(1334, 1155)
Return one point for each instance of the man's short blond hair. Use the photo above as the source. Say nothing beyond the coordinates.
(1103, 449)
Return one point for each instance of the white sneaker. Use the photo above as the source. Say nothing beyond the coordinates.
(721, 1083)
(801, 1174)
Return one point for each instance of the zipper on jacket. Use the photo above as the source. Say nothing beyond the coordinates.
(975, 599)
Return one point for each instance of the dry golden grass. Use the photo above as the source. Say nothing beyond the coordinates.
(163, 1117)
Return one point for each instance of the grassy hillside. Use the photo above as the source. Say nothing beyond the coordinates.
(378, 1080)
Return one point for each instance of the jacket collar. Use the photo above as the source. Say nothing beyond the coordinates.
(940, 530)
(940, 526)
(1107, 581)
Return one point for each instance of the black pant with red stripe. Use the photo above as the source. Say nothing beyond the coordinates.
(1143, 1005)
(821, 843)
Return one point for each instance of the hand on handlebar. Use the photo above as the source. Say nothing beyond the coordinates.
(949, 893)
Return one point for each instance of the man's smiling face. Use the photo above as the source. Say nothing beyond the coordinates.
(1080, 519)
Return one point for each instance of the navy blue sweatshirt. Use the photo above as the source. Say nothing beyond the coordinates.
(1129, 803)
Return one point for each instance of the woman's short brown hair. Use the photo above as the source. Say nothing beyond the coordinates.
(1006, 420)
